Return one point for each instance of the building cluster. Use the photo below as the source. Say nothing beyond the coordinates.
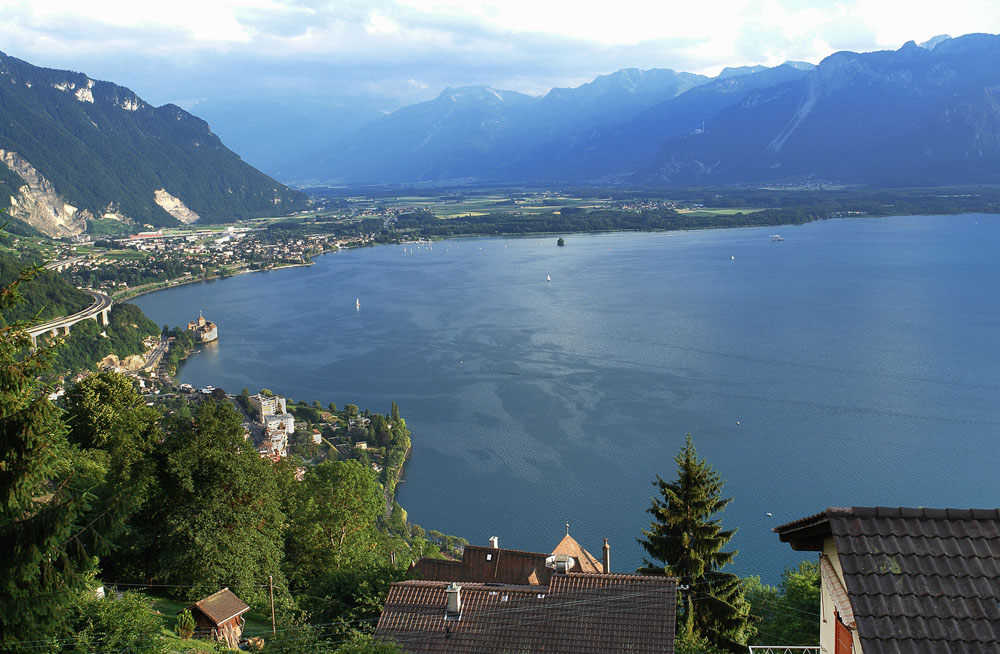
(173, 255)
(271, 414)
(501, 600)
(649, 205)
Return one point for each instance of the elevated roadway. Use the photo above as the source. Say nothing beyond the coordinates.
(98, 310)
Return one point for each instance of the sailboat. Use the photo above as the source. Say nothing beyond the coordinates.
(548, 278)
(357, 303)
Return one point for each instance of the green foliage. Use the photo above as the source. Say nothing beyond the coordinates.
(47, 549)
(95, 154)
(333, 521)
(688, 643)
(789, 613)
(111, 426)
(184, 628)
(48, 296)
(686, 540)
(111, 625)
(216, 519)
(364, 644)
(351, 599)
(85, 347)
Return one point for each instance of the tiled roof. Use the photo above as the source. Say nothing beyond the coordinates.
(577, 612)
(585, 561)
(920, 581)
(488, 565)
(221, 606)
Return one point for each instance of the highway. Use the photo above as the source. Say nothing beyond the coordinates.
(101, 304)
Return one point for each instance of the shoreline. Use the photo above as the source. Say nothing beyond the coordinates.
(171, 283)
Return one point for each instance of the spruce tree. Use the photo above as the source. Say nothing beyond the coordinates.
(686, 540)
(47, 549)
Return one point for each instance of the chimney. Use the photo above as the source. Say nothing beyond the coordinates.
(453, 610)
(607, 557)
(494, 542)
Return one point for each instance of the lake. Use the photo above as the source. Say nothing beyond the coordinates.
(854, 363)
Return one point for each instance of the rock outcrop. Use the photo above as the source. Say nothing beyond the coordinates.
(175, 207)
(38, 204)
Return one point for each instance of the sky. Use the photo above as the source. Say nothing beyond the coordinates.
(388, 53)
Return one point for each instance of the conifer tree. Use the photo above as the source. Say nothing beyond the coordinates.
(686, 540)
(46, 552)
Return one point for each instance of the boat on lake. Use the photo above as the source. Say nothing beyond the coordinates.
(776, 237)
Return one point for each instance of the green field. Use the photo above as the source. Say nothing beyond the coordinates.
(121, 255)
(710, 211)
(481, 205)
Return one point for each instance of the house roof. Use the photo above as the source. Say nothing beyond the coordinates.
(586, 562)
(488, 565)
(221, 607)
(920, 581)
(576, 612)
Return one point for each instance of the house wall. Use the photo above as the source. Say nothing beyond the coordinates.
(827, 615)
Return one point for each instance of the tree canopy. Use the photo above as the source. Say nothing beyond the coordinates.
(685, 539)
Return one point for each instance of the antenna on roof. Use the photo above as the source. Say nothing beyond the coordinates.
(567, 529)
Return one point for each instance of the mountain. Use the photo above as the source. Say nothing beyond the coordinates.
(914, 116)
(454, 135)
(76, 149)
(472, 132)
(620, 148)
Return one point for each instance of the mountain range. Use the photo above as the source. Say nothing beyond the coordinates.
(75, 150)
(924, 114)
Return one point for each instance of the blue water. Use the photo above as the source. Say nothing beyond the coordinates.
(860, 358)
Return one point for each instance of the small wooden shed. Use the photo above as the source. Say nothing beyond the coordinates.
(217, 617)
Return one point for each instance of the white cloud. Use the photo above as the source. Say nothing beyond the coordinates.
(526, 45)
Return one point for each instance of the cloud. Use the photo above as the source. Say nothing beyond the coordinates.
(377, 48)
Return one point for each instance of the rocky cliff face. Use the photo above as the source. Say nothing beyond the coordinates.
(175, 207)
(38, 204)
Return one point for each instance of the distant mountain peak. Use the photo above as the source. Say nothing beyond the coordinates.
(735, 71)
(479, 94)
(929, 44)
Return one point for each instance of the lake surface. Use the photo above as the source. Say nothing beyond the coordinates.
(855, 363)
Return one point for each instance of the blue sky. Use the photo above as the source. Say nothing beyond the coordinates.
(391, 52)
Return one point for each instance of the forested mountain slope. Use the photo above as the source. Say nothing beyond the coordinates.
(100, 149)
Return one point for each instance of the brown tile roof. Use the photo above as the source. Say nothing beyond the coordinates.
(920, 581)
(487, 565)
(577, 612)
(585, 561)
(221, 607)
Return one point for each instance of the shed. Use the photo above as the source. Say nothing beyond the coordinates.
(218, 617)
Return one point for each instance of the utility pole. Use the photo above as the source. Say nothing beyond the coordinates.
(270, 584)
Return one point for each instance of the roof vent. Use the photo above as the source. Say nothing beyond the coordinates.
(560, 563)
(494, 542)
(453, 610)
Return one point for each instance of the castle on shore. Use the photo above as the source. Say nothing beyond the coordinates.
(205, 331)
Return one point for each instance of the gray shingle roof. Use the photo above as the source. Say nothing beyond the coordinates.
(577, 612)
(920, 581)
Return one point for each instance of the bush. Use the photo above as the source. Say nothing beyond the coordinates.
(185, 625)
